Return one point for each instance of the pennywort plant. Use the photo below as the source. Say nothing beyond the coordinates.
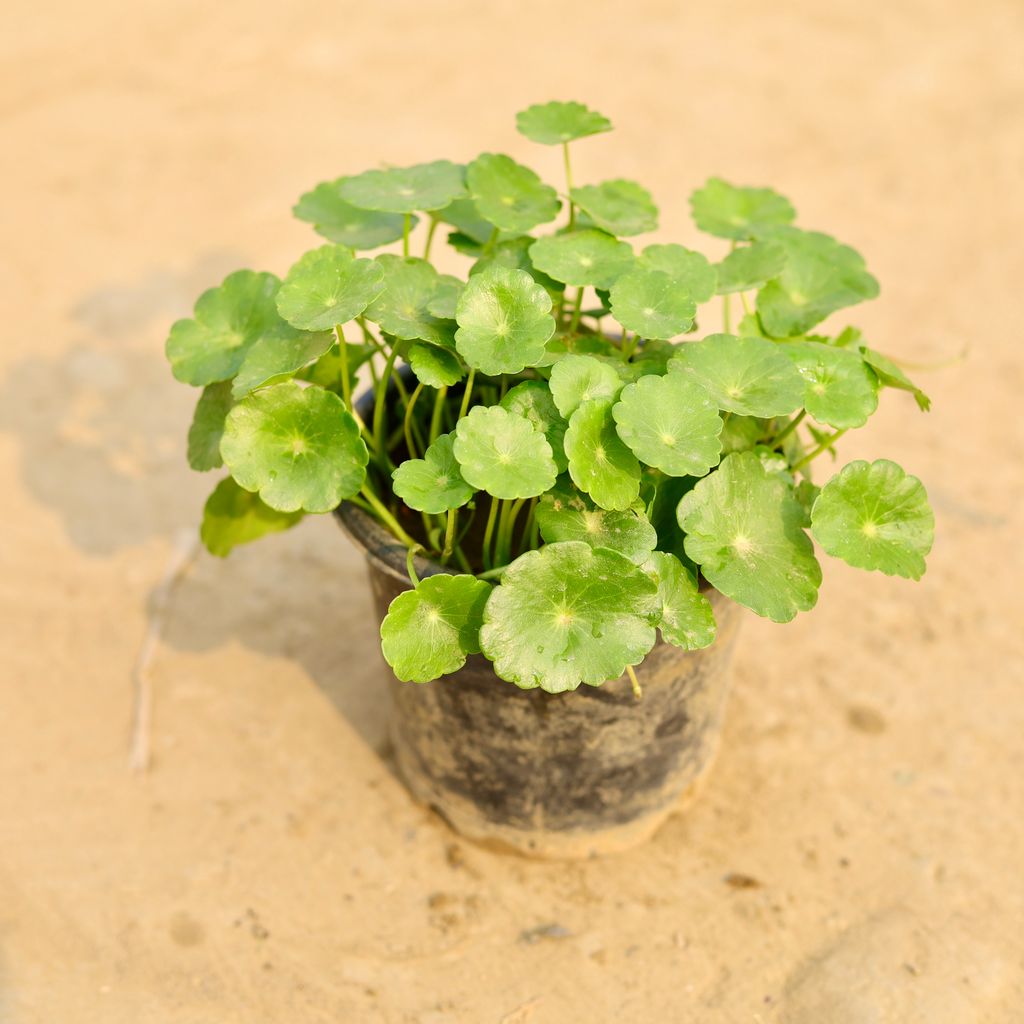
(578, 460)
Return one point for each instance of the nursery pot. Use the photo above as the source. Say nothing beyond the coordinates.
(553, 775)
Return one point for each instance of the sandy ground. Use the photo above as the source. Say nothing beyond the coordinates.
(856, 858)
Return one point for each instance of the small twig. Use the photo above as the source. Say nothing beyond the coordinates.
(183, 554)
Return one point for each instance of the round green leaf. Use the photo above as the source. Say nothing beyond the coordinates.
(744, 528)
(402, 307)
(434, 366)
(463, 214)
(750, 266)
(583, 257)
(503, 454)
(652, 304)
(509, 195)
(568, 614)
(891, 376)
(670, 423)
(687, 620)
(599, 461)
(728, 211)
(690, 269)
(446, 297)
(428, 632)
(875, 516)
(565, 514)
(273, 359)
(554, 123)
(340, 221)
(233, 516)
(747, 376)
(328, 287)
(208, 425)
(406, 189)
(514, 254)
(504, 320)
(533, 399)
(434, 483)
(577, 379)
(228, 321)
(298, 447)
(820, 276)
(839, 388)
(619, 207)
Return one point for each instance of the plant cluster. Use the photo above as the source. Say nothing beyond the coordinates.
(552, 430)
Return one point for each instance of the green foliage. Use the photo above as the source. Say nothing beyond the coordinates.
(542, 416)
(429, 631)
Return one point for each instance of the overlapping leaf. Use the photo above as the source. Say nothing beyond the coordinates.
(208, 425)
(568, 614)
(328, 287)
(576, 379)
(686, 619)
(891, 376)
(690, 269)
(433, 365)
(272, 359)
(566, 514)
(509, 195)
(744, 527)
(533, 399)
(428, 632)
(839, 388)
(620, 207)
(670, 423)
(750, 266)
(402, 308)
(583, 257)
(514, 254)
(298, 447)
(426, 187)
(234, 516)
(599, 461)
(555, 123)
(875, 516)
(339, 221)
(730, 211)
(653, 304)
(747, 376)
(434, 483)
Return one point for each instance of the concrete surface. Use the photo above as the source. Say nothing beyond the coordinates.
(856, 857)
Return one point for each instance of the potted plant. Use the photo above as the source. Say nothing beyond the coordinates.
(566, 491)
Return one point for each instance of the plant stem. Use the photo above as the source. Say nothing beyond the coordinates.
(491, 574)
(492, 516)
(379, 403)
(435, 419)
(430, 237)
(406, 225)
(407, 421)
(745, 304)
(823, 447)
(449, 535)
(490, 243)
(637, 692)
(568, 184)
(577, 310)
(465, 395)
(410, 567)
(346, 384)
(789, 428)
(506, 525)
(387, 518)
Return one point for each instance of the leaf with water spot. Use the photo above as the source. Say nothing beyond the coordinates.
(234, 516)
(670, 423)
(509, 195)
(730, 211)
(820, 276)
(568, 614)
(690, 269)
(533, 399)
(273, 359)
(339, 221)
(402, 308)
(583, 257)
(653, 304)
(750, 267)
(875, 516)
(620, 207)
(555, 123)
(227, 322)
(406, 189)
(566, 514)
(744, 528)
(428, 632)
(328, 287)
(576, 379)
(434, 483)
(298, 447)
(891, 376)
(839, 388)
(686, 620)
(503, 453)
(208, 425)
(600, 463)
(746, 376)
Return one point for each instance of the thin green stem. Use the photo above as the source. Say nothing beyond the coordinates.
(745, 304)
(637, 692)
(346, 384)
(506, 526)
(407, 423)
(491, 574)
(435, 418)
(379, 403)
(492, 516)
(430, 237)
(788, 428)
(406, 226)
(568, 184)
(823, 447)
(449, 535)
(386, 517)
(464, 407)
(410, 567)
(490, 243)
(577, 311)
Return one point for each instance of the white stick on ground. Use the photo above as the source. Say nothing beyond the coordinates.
(183, 554)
